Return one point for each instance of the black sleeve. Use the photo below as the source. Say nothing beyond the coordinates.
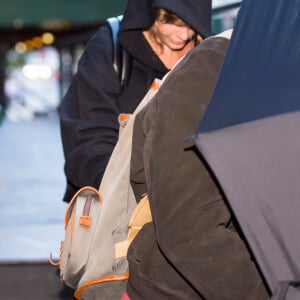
(137, 174)
(88, 115)
(141, 128)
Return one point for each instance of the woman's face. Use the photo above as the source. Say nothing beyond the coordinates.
(173, 36)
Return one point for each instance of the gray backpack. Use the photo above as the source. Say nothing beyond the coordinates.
(93, 258)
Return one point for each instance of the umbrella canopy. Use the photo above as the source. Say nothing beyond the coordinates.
(249, 136)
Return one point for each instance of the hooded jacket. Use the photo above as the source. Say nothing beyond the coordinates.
(192, 249)
(89, 110)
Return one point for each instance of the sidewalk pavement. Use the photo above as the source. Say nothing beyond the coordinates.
(32, 183)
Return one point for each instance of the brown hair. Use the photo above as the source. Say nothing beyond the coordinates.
(165, 16)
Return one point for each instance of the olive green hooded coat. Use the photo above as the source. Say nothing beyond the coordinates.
(193, 249)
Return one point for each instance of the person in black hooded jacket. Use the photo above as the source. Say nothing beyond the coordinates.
(89, 111)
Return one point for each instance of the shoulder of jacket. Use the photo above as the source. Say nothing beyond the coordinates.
(217, 43)
(225, 34)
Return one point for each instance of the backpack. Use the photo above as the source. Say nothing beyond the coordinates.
(100, 224)
(121, 58)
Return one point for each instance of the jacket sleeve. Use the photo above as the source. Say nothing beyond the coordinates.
(137, 174)
(193, 223)
(88, 115)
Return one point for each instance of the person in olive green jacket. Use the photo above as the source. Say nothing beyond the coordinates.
(193, 248)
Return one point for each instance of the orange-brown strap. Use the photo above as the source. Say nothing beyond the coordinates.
(99, 280)
(69, 208)
(58, 262)
(85, 221)
(52, 262)
(155, 84)
(123, 119)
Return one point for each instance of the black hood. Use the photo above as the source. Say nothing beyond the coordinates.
(139, 14)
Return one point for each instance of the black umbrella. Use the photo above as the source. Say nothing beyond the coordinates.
(250, 137)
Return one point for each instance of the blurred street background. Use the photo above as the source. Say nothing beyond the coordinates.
(31, 188)
(40, 44)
